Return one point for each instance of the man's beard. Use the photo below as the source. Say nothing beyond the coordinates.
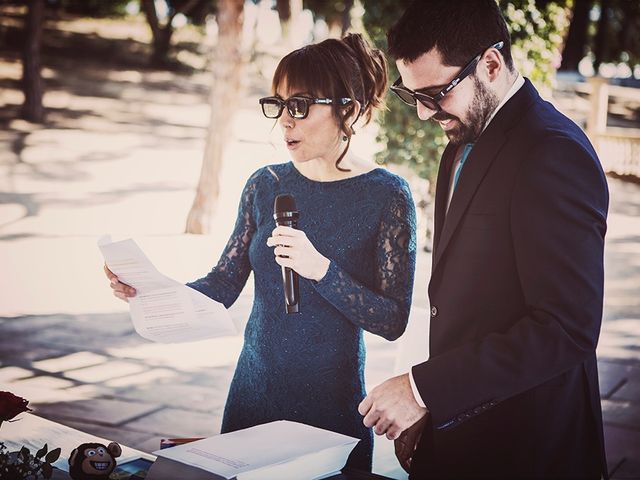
(482, 106)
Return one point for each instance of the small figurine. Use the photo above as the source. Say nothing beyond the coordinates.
(93, 461)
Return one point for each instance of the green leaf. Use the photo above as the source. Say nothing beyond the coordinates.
(53, 455)
(47, 470)
(42, 452)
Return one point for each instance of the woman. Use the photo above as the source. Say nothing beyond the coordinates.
(354, 251)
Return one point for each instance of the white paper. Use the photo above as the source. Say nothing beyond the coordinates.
(33, 432)
(232, 454)
(163, 309)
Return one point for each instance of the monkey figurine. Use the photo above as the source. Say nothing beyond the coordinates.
(93, 461)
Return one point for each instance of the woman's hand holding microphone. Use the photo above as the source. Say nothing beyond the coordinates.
(294, 250)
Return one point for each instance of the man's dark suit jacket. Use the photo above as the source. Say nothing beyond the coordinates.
(516, 296)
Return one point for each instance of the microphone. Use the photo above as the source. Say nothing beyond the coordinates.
(285, 214)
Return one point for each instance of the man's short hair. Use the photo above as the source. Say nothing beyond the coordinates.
(459, 30)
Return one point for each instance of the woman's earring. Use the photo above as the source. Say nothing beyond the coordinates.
(344, 138)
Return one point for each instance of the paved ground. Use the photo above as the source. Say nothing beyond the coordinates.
(121, 155)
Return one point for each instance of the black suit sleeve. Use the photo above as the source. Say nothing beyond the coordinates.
(558, 222)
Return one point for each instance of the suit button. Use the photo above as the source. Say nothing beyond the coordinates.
(434, 311)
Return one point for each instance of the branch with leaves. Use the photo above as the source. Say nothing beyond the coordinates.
(23, 465)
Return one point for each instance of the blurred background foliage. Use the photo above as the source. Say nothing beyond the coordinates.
(604, 31)
(406, 138)
(586, 36)
(537, 31)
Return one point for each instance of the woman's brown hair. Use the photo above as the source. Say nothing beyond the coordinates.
(337, 69)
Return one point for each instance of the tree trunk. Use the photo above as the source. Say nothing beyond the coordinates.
(161, 34)
(601, 40)
(289, 12)
(576, 42)
(228, 63)
(161, 45)
(284, 10)
(346, 16)
(32, 83)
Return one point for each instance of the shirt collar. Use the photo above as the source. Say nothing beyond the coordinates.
(519, 82)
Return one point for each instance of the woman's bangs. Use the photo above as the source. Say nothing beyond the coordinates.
(299, 73)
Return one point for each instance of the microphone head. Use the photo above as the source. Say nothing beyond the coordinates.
(284, 203)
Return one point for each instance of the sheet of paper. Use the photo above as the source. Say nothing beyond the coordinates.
(33, 432)
(163, 309)
(234, 453)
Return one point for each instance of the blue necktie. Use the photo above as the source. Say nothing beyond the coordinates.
(463, 158)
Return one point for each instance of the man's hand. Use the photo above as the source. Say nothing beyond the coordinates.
(391, 408)
(405, 445)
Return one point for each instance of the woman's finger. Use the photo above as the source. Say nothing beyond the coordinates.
(283, 241)
(123, 288)
(275, 241)
(121, 296)
(278, 240)
(282, 251)
(285, 262)
(286, 232)
(109, 273)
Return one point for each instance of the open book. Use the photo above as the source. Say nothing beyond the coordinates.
(277, 450)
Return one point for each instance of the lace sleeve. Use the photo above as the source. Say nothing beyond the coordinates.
(383, 309)
(227, 279)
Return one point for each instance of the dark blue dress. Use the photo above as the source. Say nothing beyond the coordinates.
(309, 367)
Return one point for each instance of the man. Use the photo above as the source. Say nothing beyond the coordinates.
(511, 386)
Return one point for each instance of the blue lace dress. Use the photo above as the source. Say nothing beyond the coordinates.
(309, 367)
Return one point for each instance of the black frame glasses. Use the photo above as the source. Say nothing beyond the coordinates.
(297, 106)
(432, 102)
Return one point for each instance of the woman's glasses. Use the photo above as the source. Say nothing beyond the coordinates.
(297, 106)
(432, 102)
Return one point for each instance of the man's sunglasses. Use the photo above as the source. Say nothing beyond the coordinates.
(432, 102)
(297, 106)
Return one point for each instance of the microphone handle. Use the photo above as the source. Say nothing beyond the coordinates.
(290, 279)
(291, 290)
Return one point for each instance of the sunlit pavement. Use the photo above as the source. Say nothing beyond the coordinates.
(68, 346)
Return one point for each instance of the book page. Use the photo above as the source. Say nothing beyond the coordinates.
(232, 454)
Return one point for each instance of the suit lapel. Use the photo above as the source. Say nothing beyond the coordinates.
(442, 193)
(475, 168)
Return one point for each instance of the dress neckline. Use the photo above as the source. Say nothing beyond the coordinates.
(333, 182)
